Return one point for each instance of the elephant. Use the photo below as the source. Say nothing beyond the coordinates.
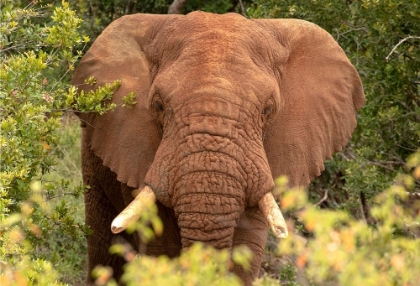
(224, 105)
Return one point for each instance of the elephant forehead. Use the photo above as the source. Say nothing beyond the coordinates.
(221, 56)
(227, 83)
(211, 38)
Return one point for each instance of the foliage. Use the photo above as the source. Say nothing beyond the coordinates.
(347, 251)
(38, 220)
(97, 14)
(198, 265)
(29, 255)
(389, 124)
(30, 99)
(97, 100)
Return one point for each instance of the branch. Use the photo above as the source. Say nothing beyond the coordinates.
(324, 198)
(397, 45)
(176, 7)
(243, 9)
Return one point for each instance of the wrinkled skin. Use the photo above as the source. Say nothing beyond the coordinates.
(224, 105)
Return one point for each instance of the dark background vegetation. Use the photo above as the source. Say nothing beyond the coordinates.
(41, 206)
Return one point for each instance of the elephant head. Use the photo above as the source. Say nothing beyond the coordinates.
(224, 105)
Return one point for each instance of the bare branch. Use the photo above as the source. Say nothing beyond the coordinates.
(324, 198)
(243, 9)
(397, 45)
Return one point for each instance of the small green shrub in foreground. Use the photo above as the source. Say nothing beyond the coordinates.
(198, 265)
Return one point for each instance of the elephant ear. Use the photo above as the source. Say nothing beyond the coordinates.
(321, 91)
(126, 138)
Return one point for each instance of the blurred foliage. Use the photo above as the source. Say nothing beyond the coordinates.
(197, 265)
(346, 251)
(382, 39)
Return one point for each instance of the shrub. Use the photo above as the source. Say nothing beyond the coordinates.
(42, 242)
(346, 251)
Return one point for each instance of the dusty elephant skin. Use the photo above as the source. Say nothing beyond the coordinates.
(224, 105)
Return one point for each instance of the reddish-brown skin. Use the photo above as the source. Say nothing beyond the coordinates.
(224, 105)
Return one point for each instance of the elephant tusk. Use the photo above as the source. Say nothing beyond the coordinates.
(132, 212)
(272, 213)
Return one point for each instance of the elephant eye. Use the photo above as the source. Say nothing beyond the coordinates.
(269, 107)
(158, 112)
(268, 110)
(158, 105)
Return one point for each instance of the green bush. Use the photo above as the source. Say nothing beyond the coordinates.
(346, 251)
(42, 241)
(32, 96)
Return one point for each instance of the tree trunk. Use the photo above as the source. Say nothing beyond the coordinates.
(176, 7)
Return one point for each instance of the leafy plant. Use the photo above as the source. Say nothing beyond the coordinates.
(40, 232)
(347, 251)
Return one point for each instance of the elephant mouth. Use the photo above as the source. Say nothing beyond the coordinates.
(147, 197)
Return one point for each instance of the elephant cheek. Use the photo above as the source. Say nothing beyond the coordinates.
(157, 178)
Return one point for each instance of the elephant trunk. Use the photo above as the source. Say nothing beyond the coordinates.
(213, 229)
(208, 208)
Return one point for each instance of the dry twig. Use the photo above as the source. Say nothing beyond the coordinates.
(397, 45)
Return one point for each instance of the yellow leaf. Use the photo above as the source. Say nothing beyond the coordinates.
(35, 230)
(301, 261)
(310, 223)
(348, 240)
(397, 261)
(16, 235)
(46, 146)
(287, 201)
(416, 172)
